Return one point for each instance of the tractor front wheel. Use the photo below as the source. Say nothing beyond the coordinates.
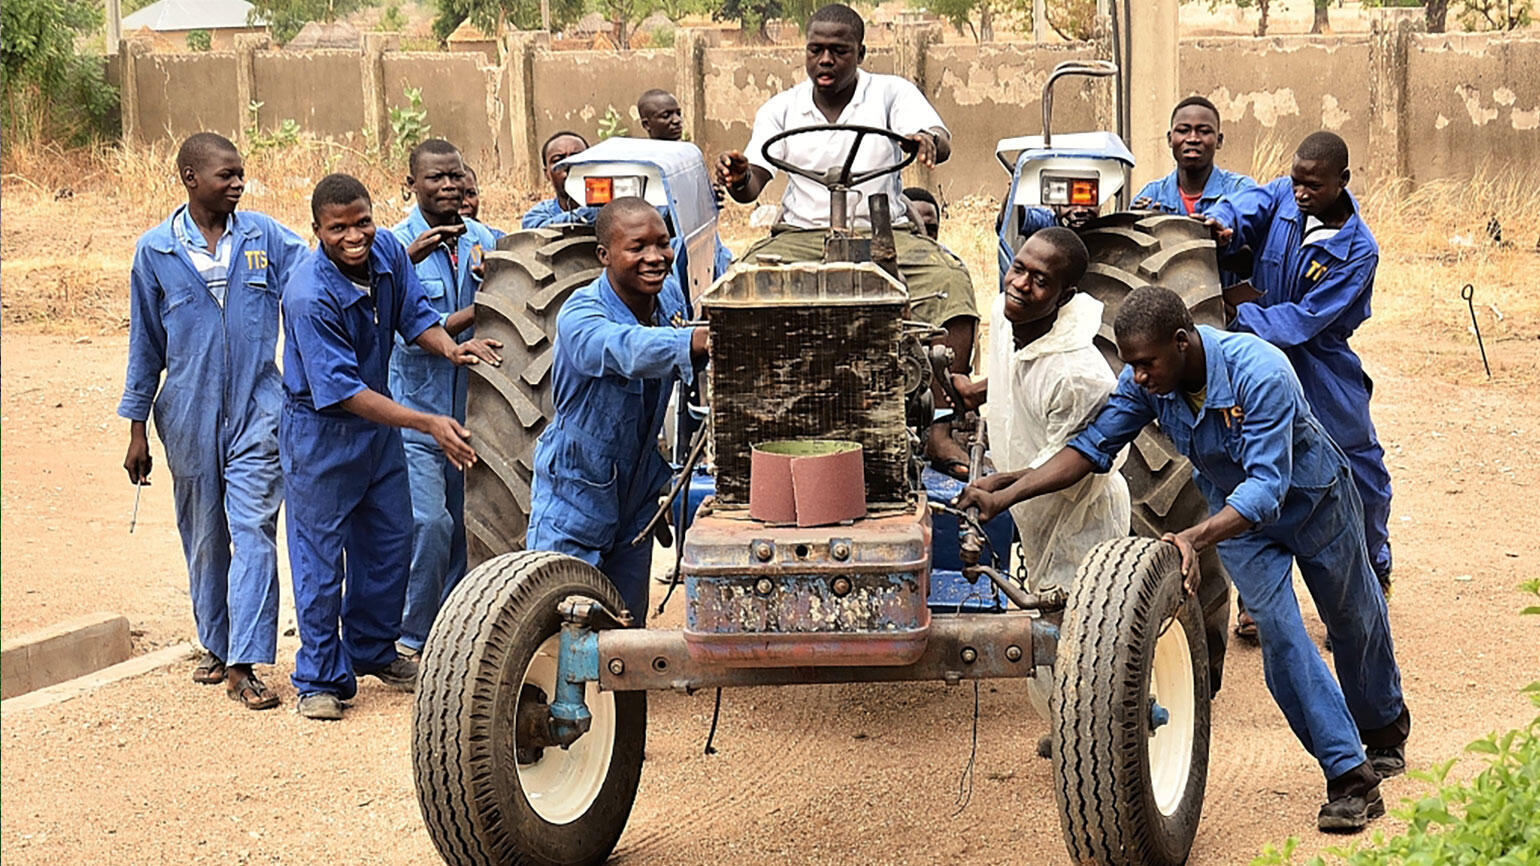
(493, 790)
(1131, 709)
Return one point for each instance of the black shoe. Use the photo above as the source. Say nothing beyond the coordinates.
(1389, 761)
(322, 706)
(1350, 813)
(400, 674)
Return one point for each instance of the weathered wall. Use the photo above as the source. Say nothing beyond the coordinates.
(285, 83)
(574, 89)
(1410, 105)
(180, 94)
(461, 97)
(1273, 92)
(1473, 105)
(989, 92)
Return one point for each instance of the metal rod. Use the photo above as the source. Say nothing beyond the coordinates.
(133, 519)
(1468, 294)
(697, 445)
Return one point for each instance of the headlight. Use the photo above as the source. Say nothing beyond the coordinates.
(1064, 189)
(603, 190)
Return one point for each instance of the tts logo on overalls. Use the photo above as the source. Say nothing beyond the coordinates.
(1315, 272)
(256, 259)
(678, 319)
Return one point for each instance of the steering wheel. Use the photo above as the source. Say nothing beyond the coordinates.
(840, 177)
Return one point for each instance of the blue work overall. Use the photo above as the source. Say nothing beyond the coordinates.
(1256, 446)
(598, 471)
(217, 416)
(549, 213)
(1166, 195)
(349, 524)
(1313, 298)
(429, 383)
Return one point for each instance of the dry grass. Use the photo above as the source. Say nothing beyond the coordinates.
(64, 261)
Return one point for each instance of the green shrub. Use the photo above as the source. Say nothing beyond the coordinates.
(408, 125)
(199, 40)
(47, 90)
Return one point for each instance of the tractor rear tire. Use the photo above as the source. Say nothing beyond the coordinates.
(1130, 709)
(488, 797)
(1129, 250)
(528, 278)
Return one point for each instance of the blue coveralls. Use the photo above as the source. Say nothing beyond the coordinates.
(1313, 299)
(1167, 196)
(429, 383)
(346, 476)
(217, 415)
(598, 471)
(1258, 448)
(549, 213)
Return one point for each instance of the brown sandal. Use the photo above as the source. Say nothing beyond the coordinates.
(210, 670)
(252, 692)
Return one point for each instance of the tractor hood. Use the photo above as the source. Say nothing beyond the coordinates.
(1098, 156)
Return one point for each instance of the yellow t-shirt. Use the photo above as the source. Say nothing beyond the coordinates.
(1195, 399)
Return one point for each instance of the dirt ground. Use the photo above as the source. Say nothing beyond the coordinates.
(157, 769)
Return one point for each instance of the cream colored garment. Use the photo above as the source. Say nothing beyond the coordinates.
(1040, 397)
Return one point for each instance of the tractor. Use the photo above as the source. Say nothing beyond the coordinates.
(531, 712)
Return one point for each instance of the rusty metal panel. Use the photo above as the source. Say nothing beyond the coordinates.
(804, 603)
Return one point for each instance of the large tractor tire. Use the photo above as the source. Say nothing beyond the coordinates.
(527, 280)
(1129, 250)
(1130, 709)
(490, 795)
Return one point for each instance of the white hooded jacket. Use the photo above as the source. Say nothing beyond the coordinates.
(1040, 397)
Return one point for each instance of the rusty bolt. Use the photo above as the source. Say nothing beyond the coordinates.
(617, 667)
(969, 655)
(763, 586)
(1013, 653)
(763, 550)
(839, 550)
(841, 586)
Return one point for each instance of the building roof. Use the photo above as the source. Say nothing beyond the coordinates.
(319, 34)
(166, 15)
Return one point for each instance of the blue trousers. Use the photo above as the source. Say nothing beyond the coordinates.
(227, 516)
(350, 545)
(627, 567)
(438, 538)
(1320, 530)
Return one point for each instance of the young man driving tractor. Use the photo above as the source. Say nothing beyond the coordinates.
(838, 91)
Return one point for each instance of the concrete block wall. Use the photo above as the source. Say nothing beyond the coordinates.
(1409, 104)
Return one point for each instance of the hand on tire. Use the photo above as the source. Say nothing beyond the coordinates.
(1191, 573)
(453, 438)
(476, 351)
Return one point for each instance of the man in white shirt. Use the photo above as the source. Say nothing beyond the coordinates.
(838, 91)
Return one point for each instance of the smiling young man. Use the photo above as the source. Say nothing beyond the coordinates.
(1196, 183)
(560, 209)
(1049, 380)
(1315, 269)
(620, 346)
(446, 250)
(1280, 495)
(349, 521)
(203, 311)
(839, 91)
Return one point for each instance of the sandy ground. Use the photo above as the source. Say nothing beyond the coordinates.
(160, 770)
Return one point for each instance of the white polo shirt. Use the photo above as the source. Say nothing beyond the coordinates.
(885, 101)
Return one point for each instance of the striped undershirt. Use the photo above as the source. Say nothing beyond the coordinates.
(215, 269)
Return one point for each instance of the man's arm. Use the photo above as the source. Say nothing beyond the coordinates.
(1000, 491)
(437, 340)
(146, 361)
(423, 245)
(446, 431)
(598, 347)
(1296, 322)
(1242, 219)
(744, 182)
(461, 319)
(1223, 524)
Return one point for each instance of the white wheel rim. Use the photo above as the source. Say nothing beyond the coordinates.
(564, 783)
(1170, 745)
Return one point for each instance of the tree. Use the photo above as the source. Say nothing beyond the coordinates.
(978, 17)
(40, 71)
(1074, 20)
(1321, 23)
(287, 17)
(1262, 9)
(623, 13)
(493, 16)
(1437, 12)
(757, 14)
(1495, 14)
(199, 40)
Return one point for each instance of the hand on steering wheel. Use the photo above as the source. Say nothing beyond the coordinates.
(842, 176)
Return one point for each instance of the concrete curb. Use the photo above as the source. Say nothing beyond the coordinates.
(62, 652)
(90, 682)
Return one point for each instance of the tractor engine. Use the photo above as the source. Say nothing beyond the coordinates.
(811, 351)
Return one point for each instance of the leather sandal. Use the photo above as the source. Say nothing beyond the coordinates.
(252, 693)
(210, 670)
